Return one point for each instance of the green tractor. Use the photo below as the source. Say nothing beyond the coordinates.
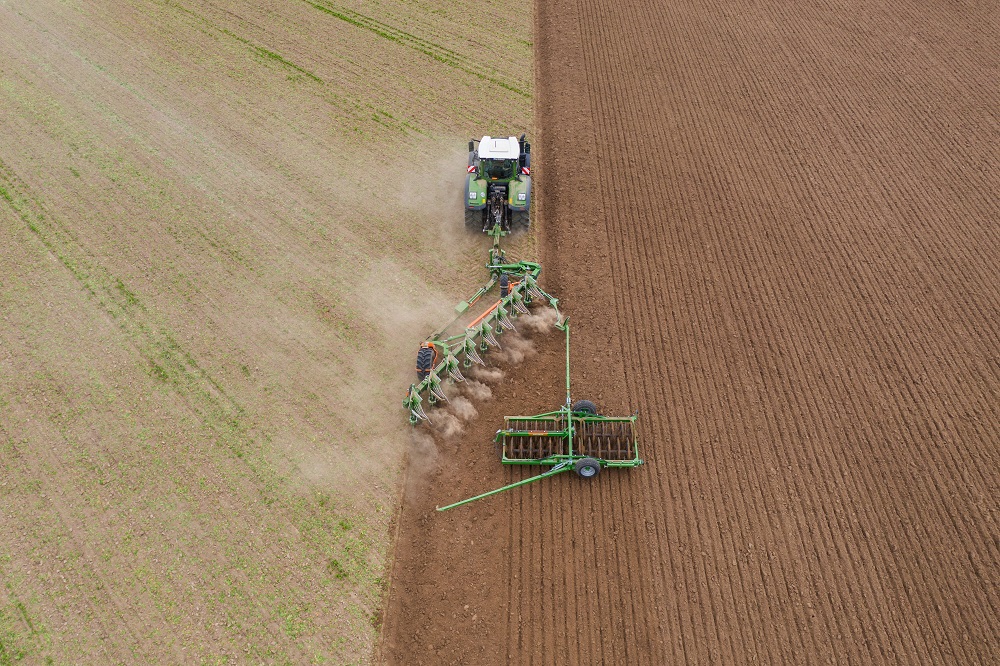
(498, 186)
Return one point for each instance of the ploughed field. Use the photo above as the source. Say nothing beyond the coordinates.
(775, 225)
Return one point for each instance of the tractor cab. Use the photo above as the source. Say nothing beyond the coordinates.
(498, 158)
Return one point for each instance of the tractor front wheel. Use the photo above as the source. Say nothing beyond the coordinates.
(587, 468)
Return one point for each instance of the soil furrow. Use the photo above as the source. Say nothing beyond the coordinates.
(773, 226)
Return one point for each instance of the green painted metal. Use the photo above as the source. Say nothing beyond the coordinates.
(463, 349)
(564, 326)
(518, 191)
(475, 189)
(571, 422)
(565, 466)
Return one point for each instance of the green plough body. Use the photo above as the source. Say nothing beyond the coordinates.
(462, 350)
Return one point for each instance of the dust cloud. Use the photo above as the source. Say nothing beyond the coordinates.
(515, 349)
(539, 322)
(422, 460)
(432, 194)
(463, 408)
(486, 374)
(445, 423)
(448, 421)
(477, 390)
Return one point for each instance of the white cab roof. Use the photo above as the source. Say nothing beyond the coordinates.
(499, 149)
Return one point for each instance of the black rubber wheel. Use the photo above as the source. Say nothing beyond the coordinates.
(425, 361)
(474, 220)
(587, 468)
(521, 219)
(585, 407)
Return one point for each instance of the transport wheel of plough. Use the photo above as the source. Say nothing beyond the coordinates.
(585, 407)
(587, 468)
(425, 361)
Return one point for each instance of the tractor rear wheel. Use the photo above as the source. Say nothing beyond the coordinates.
(585, 407)
(474, 220)
(587, 468)
(521, 219)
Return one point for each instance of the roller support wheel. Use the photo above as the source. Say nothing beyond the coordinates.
(587, 468)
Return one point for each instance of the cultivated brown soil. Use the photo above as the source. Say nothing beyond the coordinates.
(775, 228)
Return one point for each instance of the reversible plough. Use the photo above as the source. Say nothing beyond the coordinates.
(441, 356)
(572, 438)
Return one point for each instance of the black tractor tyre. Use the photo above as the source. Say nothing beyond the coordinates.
(521, 219)
(425, 362)
(585, 407)
(587, 468)
(474, 220)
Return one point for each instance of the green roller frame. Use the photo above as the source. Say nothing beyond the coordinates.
(451, 353)
(572, 438)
